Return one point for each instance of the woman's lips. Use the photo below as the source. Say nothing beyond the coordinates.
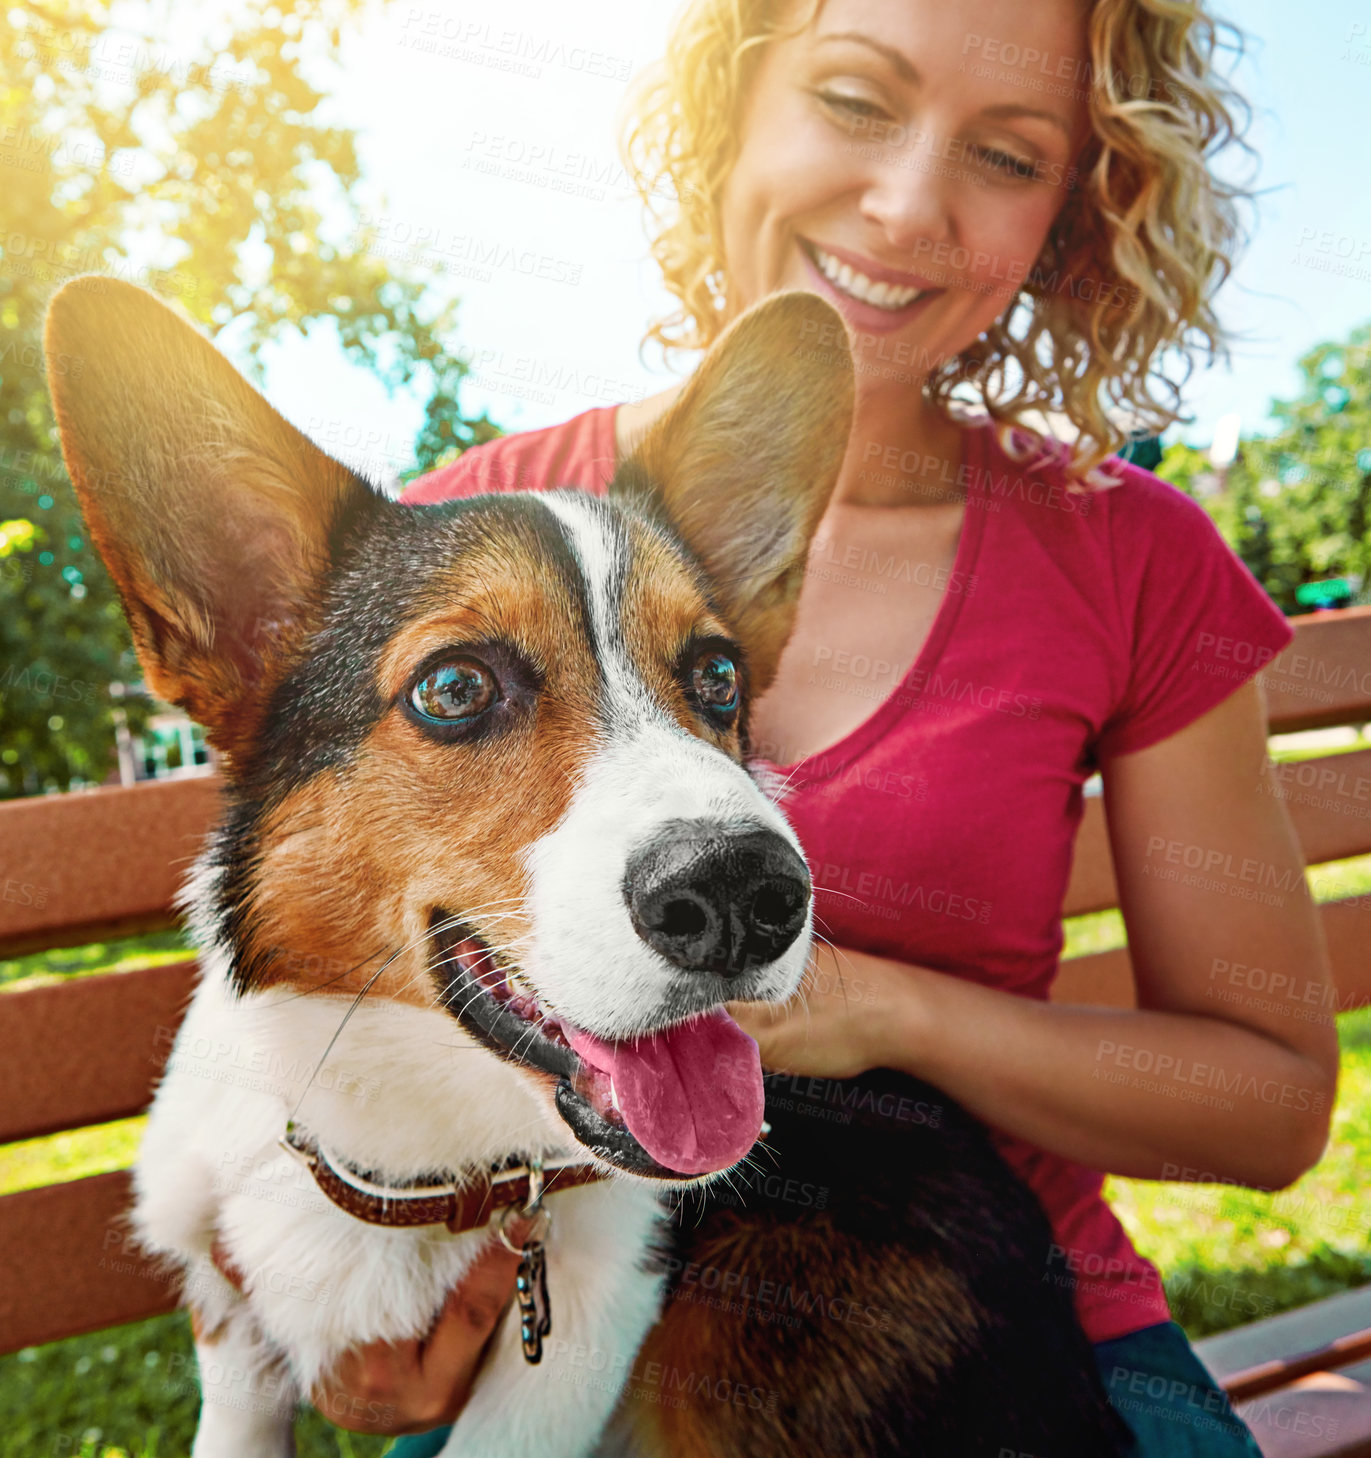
(872, 303)
(869, 282)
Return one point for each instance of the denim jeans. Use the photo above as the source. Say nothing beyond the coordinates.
(1153, 1378)
(1164, 1393)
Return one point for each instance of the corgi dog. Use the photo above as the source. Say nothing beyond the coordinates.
(491, 861)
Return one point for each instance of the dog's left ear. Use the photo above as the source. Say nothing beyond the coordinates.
(213, 514)
(745, 460)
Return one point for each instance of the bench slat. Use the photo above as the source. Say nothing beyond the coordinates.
(1280, 1371)
(1329, 799)
(99, 1046)
(71, 1266)
(1105, 979)
(1229, 1353)
(1327, 1415)
(1324, 677)
(94, 864)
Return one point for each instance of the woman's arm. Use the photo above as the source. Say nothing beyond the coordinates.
(1211, 1077)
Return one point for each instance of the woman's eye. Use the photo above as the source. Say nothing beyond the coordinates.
(715, 679)
(1021, 168)
(454, 691)
(849, 108)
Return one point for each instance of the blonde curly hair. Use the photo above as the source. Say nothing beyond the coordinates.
(1145, 220)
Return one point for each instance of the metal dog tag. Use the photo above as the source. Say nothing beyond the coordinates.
(535, 1311)
(530, 1284)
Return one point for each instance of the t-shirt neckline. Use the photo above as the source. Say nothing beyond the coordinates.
(824, 763)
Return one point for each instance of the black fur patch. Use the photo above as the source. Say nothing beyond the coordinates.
(880, 1246)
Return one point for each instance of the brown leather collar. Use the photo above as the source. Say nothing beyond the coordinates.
(464, 1206)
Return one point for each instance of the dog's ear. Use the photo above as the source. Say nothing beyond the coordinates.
(745, 460)
(212, 513)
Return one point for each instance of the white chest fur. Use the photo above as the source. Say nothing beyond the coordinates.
(402, 1093)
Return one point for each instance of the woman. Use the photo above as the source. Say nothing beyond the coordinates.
(1010, 205)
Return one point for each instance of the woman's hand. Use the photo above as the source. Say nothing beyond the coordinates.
(834, 1026)
(409, 1387)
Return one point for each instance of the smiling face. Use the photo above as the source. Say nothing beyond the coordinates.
(879, 168)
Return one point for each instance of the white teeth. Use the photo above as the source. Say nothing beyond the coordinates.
(614, 1097)
(845, 277)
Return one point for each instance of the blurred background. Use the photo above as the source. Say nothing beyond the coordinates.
(409, 224)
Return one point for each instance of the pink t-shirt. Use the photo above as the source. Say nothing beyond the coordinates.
(940, 831)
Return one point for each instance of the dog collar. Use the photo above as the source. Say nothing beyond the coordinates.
(464, 1206)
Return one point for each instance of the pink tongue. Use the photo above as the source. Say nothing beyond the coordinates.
(692, 1095)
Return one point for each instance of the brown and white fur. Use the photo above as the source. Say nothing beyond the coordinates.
(289, 608)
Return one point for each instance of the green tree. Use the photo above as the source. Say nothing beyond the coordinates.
(1297, 504)
(207, 171)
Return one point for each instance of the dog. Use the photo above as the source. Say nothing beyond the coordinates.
(492, 858)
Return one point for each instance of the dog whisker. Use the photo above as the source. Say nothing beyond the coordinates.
(832, 891)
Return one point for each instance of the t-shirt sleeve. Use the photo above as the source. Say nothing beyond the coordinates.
(579, 452)
(1201, 624)
(491, 467)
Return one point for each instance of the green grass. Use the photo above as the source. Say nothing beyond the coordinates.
(73, 1155)
(41, 967)
(127, 1393)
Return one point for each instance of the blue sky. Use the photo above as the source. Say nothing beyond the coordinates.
(488, 141)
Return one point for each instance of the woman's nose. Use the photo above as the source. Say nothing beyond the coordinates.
(908, 195)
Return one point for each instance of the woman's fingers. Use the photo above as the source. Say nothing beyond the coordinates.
(409, 1387)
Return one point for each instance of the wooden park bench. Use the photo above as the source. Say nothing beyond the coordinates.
(99, 864)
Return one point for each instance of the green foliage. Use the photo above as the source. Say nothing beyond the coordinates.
(207, 171)
(1297, 502)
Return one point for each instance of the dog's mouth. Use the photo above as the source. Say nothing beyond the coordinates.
(678, 1104)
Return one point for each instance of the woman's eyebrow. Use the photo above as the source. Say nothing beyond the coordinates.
(905, 69)
(901, 63)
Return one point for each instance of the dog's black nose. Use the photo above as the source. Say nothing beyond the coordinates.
(714, 900)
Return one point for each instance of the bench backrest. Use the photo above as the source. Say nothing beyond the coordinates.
(83, 867)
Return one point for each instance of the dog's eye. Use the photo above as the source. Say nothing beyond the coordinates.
(715, 678)
(454, 692)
